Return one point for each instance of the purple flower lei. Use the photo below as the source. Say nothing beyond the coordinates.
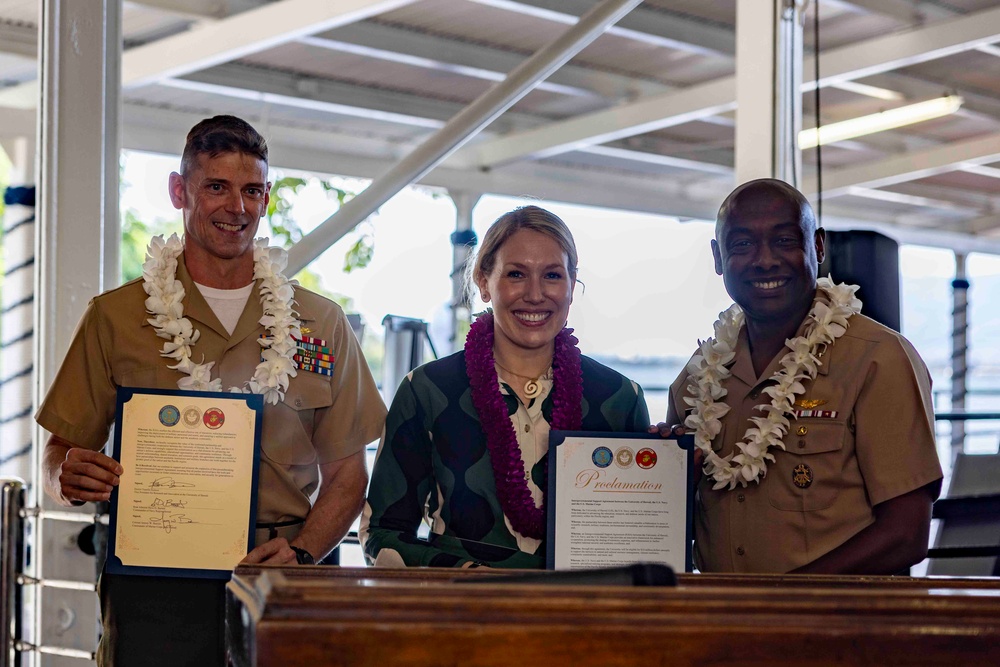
(501, 441)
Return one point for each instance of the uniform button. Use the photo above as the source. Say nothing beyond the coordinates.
(741, 551)
(754, 394)
(802, 430)
(298, 402)
(802, 444)
(527, 427)
(740, 498)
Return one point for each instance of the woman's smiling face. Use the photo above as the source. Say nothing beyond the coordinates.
(530, 289)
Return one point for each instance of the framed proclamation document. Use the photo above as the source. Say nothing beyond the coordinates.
(186, 504)
(617, 499)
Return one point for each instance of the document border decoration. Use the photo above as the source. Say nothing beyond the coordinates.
(638, 465)
(225, 447)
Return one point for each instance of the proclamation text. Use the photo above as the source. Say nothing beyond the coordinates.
(617, 500)
(187, 494)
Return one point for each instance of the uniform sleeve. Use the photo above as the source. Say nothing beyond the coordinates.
(894, 426)
(675, 401)
(80, 405)
(401, 484)
(357, 412)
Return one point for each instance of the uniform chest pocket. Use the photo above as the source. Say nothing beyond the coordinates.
(289, 425)
(808, 475)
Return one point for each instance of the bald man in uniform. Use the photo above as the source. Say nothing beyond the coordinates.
(851, 491)
(312, 441)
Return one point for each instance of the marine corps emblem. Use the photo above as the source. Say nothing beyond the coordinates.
(646, 458)
(214, 418)
(802, 476)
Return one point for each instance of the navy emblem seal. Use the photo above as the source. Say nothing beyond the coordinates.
(169, 415)
(602, 457)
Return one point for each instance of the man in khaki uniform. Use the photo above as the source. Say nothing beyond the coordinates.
(311, 440)
(852, 488)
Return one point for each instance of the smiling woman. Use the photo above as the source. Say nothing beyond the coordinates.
(466, 438)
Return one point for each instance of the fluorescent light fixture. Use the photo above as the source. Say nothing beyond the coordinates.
(879, 122)
(868, 91)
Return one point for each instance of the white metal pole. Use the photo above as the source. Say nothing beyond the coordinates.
(959, 351)
(768, 89)
(76, 257)
(458, 130)
(463, 241)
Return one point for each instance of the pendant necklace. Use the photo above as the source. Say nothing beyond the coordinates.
(532, 386)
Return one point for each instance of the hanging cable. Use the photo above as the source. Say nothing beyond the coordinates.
(790, 77)
(819, 149)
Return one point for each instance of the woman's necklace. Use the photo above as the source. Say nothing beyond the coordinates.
(501, 441)
(532, 385)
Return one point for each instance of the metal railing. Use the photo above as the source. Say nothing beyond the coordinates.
(14, 579)
(11, 567)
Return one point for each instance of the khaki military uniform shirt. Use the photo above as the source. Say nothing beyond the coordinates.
(870, 439)
(322, 418)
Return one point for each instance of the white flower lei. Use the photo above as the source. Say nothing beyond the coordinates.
(827, 321)
(166, 304)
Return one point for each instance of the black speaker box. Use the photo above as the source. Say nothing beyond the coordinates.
(871, 260)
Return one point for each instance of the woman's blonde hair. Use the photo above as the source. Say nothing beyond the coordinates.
(533, 218)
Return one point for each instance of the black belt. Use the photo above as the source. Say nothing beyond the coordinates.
(272, 528)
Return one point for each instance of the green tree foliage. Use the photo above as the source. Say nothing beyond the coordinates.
(285, 227)
(135, 237)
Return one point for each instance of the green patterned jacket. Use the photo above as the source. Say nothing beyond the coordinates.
(433, 455)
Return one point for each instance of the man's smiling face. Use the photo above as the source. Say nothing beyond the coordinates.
(223, 198)
(768, 252)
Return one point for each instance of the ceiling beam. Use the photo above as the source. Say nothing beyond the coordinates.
(936, 238)
(17, 122)
(905, 11)
(904, 49)
(924, 88)
(668, 109)
(199, 9)
(242, 34)
(278, 88)
(646, 157)
(22, 96)
(646, 115)
(249, 82)
(663, 29)
(917, 201)
(908, 166)
(437, 65)
(162, 131)
(20, 40)
(450, 52)
(976, 200)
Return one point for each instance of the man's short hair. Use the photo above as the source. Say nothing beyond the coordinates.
(751, 190)
(222, 134)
